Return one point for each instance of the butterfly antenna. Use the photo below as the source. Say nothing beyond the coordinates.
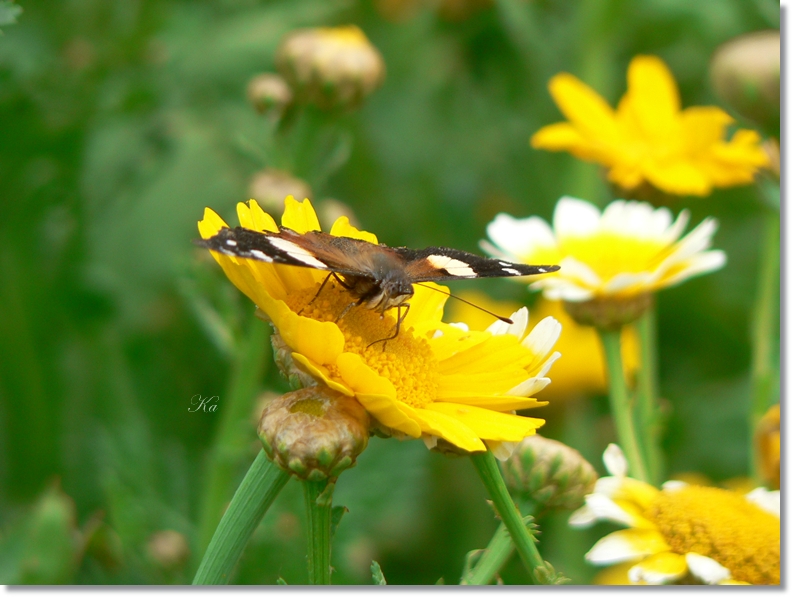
(459, 298)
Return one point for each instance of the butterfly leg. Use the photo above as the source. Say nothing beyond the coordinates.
(399, 318)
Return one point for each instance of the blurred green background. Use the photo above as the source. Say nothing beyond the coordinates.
(120, 120)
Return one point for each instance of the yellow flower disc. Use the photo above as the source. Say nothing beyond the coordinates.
(724, 526)
(408, 362)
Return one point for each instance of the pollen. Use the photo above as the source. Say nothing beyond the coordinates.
(406, 360)
(724, 526)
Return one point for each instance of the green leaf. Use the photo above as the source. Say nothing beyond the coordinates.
(335, 518)
(376, 573)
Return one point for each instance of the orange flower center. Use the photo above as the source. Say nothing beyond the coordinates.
(724, 526)
(407, 361)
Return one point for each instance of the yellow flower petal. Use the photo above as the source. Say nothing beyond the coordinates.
(342, 227)
(299, 215)
(653, 96)
(585, 108)
(659, 569)
(496, 403)
(487, 424)
(321, 374)
(450, 429)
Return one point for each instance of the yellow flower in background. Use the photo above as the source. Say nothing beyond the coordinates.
(768, 445)
(648, 138)
(629, 249)
(581, 369)
(682, 532)
(434, 380)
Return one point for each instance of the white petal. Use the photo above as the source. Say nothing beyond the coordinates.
(615, 462)
(430, 441)
(516, 328)
(562, 290)
(625, 280)
(543, 337)
(769, 501)
(707, 569)
(502, 450)
(574, 270)
(674, 485)
(520, 237)
(675, 231)
(575, 217)
(612, 549)
(460, 326)
(583, 517)
(605, 508)
(548, 363)
(698, 264)
(529, 387)
(609, 486)
(697, 240)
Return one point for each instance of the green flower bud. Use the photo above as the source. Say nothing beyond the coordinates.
(608, 312)
(269, 94)
(746, 75)
(548, 473)
(315, 433)
(271, 186)
(282, 354)
(334, 67)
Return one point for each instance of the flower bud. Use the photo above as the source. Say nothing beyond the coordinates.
(609, 313)
(282, 354)
(333, 67)
(314, 433)
(548, 473)
(768, 446)
(271, 186)
(269, 94)
(746, 75)
(168, 549)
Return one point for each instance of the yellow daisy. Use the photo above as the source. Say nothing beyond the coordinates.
(629, 249)
(682, 532)
(648, 138)
(434, 380)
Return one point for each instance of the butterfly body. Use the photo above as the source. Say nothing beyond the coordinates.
(377, 276)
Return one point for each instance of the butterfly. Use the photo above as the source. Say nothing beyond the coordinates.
(376, 276)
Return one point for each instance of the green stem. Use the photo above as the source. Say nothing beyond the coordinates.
(646, 407)
(234, 433)
(495, 556)
(523, 540)
(765, 331)
(621, 410)
(319, 506)
(251, 501)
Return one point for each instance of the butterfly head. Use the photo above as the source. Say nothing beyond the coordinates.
(392, 290)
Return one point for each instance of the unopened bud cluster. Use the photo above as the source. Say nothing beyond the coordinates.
(271, 186)
(315, 433)
(332, 67)
(549, 474)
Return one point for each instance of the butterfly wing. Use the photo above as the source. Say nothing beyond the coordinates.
(444, 263)
(317, 250)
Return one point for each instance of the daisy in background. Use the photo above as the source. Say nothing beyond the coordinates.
(648, 140)
(434, 380)
(622, 254)
(684, 534)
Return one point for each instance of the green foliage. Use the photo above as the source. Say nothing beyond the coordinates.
(122, 120)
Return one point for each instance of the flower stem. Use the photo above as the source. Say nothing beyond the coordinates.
(646, 408)
(621, 409)
(255, 494)
(234, 432)
(765, 331)
(523, 540)
(319, 506)
(493, 558)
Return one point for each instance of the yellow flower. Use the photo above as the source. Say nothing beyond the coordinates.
(628, 250)
(581, 369)
(434, 380)
(683, 532)
(648, 139)
(768, 445)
